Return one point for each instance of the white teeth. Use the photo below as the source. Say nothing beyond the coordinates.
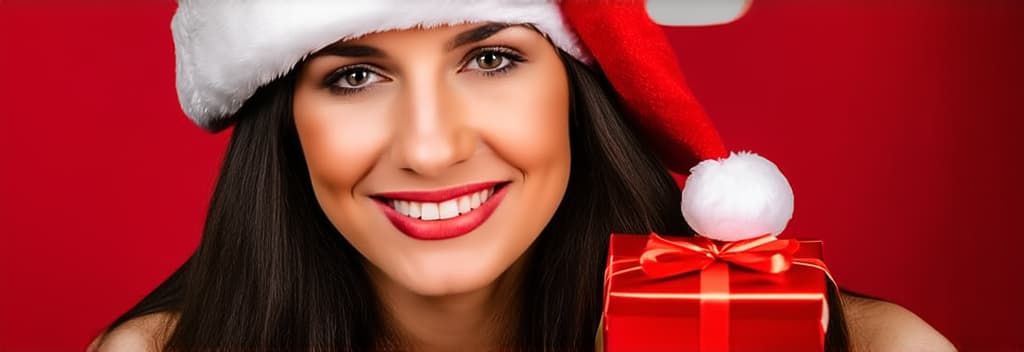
(474, 200)
(464, 204)
(448, 209)
(429, 211)
(414, 209)
(443, 210)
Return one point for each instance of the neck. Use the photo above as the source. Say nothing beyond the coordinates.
(479, 320)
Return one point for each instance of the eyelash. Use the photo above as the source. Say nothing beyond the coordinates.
(508, 54)
(331, 81)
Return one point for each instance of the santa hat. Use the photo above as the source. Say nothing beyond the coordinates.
(227, 49)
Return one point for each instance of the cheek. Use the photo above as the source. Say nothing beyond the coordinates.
(528, 124)
(341, 142)
(528, 128)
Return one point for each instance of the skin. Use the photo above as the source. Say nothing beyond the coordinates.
(431, 118)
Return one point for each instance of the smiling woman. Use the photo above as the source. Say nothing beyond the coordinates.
(448, 186)
(422, 126)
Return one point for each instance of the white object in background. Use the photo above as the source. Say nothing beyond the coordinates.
(696, 12)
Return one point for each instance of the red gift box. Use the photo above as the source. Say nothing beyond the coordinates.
(694, 294)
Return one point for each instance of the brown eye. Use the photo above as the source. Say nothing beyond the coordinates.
(489, 61)
(354, 78)
(357, 78)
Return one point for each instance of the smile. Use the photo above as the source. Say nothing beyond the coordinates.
(441, 214)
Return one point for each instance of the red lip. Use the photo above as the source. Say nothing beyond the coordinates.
(438, 195)
(446, 228)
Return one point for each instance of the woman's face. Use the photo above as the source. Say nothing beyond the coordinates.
(439, 153)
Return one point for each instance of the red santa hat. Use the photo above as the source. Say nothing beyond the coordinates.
(227, 49)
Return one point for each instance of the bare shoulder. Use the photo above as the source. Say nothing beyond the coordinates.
(146, 333)
(880, 326)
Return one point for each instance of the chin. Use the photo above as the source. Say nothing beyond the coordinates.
(442, 273)
(451, 281)
(461, 265)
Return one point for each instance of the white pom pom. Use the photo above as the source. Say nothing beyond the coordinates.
(739, 197)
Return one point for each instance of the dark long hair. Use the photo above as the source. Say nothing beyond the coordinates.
(272, 273)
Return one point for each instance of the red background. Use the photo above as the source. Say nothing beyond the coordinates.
(897, 124)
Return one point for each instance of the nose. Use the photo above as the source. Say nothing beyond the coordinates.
(432, 134)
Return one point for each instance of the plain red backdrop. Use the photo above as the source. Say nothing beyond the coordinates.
(897, 125)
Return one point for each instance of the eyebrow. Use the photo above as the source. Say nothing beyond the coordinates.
(477, 34)
(341, 49)
(469, 36)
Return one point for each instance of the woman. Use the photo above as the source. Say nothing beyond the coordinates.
(447, 182)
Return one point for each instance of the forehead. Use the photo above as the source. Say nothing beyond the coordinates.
(450, 36)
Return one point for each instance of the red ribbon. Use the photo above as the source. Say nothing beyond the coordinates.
(666, 258)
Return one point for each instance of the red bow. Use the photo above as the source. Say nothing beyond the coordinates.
(664, 258)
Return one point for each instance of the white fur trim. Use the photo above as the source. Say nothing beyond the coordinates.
(226, 49)
(735, 198)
